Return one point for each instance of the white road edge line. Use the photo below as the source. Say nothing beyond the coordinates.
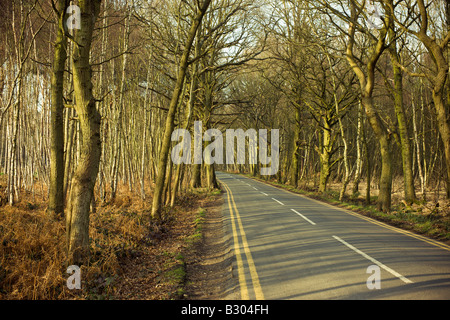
(391, 271)
(278, 201)
(303, 217)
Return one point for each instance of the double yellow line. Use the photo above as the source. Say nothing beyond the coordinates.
(238, 229)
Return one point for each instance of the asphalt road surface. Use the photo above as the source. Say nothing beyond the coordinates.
(287, 246)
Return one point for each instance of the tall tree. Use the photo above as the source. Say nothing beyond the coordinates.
(56, 192)
(78, 207)
(367, 83)
(397, 91)
(438, 76)
(169, 126)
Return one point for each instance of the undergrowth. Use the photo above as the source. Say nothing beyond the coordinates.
(123, 250)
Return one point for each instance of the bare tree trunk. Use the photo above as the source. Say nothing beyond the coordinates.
(358, 169)
(56, 193)
(211, 180)
(418, 154)
(447, 15)
(103, 109)
(438, 80)
(346, 164)
(369, 167)
(190, 107)
(12, 156)
(410, 193)
(325, 157)
(196, 180)
(384, 195)
(367, 83)
(69, 151)
(77, 217)
(296, 153)
(164, 155)
(444, 129)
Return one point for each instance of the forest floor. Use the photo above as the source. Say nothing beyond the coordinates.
(176, 263)
(131, 259)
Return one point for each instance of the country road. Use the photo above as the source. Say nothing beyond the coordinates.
(287, 246)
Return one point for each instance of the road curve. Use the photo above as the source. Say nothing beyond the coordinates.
(290, 247)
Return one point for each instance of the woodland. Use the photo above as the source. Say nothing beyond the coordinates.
(359, 90)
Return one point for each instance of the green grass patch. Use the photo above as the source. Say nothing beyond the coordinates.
(176, 275)
(198, 222)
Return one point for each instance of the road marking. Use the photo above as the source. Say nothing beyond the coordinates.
(251, 264)
(278, 201)
(303, 217)
(255, 188)
(391, 271)
(373, 221)
(237, 250)
(265, 194)
(405, 232)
